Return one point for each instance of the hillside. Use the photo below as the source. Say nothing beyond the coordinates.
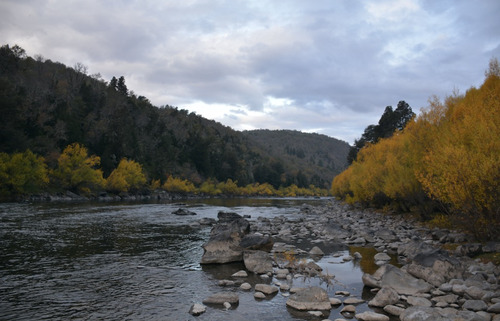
(311, 156)
(46, 106)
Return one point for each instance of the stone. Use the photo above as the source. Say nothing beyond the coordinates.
(495, 308)
(393, 310)
(316, 251)
(399, 280)
(221, 297)
(449, 298)
(223, 244)
(227, 305)
(246, 286)
(257, 261)
(257, 241)
(371, 316)
(418, 301)
(475, 292)
(311, 298)
(197, 309)
(266, 288)
(357, 256)
(353, 301)
(475, 305)
(422, 314)
(335, 301)
(284, 287)
(382, 257)
(315, 313)
(259, 295)
(385, 296)
(240, 274)
(348, 309)
(182, 212)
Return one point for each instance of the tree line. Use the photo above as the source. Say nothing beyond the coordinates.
(79, 172)
(445, 161)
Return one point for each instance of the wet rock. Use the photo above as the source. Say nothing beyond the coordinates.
(335, 301)
(257, 261)
(183, 212)
(197, 309)
(266, 288)
(382, 257)
(240, 274)
(259, 295)
(386, 296)
(311, 298)
(207, 221)
(348, 309)
(245, 286)
(221, 297)
(371, 316)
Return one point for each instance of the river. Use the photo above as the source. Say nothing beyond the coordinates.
(137, 261)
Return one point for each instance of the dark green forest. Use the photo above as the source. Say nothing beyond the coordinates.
(46, 106)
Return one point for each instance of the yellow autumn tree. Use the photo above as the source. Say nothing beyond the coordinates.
(129, 175)
(78, 171)
(461, 167)
(22, 173)
(178, 185)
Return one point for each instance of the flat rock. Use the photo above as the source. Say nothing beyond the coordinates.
(266, 288)
(240, 274)
(393, 310)
(475, 305)
(371, 316)
(311, 298)
(221, 297)
(382, 257)
(257, 261)
(418, 301)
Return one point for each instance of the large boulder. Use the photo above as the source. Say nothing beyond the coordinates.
(257, 261)
(230, 237)
(393, 277)
(310, 299)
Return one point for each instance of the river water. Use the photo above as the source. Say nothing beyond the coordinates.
(138, 261)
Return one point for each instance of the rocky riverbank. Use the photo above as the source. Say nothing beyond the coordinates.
(429, 283)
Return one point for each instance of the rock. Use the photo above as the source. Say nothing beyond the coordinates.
(441, 271)
(246, 286)
(315, 313)
(226, 282)
(266, 288)
(257, 242)
(221, 297)
(475, 292)
(475, 305)
(393, 277)
(470, 249)
(257, 261)
(224, 243)
(335, 301)
(240, 274)
(418, 301)
(348, 309)
(316, 251)
(450, 298)
(225, 217)
(259, 295)
(422, 314)
(311, 298)
(182, 212)
(197, 309)
(495, 308)
(353, 301)
(227, 305)
(371, 316)
(385, 296)
(394, 310)
(357, 256)
(207, 221)
(382, 257)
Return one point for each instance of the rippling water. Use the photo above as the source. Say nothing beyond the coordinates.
(109, 261)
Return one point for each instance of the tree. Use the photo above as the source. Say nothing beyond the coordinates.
(22, 173)
(113, 83)
(390, 121)
(129, 175)
(121, 87)
(77, 171)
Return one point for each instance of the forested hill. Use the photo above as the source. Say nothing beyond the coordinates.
(46, 106)
(311, 157)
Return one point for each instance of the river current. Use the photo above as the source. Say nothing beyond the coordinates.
(137, 261)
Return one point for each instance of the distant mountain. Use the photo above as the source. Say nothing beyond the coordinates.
(46, 106)
(311, 158)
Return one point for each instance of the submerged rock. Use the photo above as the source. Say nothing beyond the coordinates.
(221, 297)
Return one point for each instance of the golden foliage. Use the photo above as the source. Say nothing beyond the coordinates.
(22, 173)
(128, 175)
(178, 185)
(76, 170)
(451, 152)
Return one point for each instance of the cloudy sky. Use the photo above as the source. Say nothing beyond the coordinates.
(325, 66)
